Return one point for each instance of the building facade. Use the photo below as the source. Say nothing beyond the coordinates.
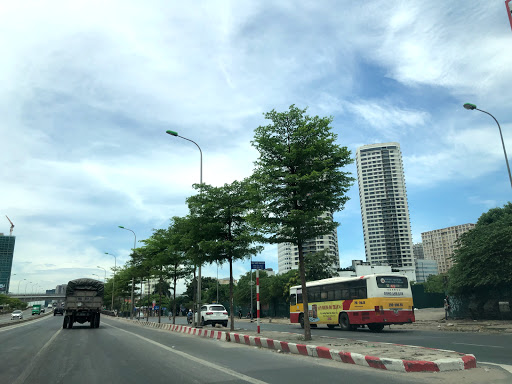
(6, 256)
(417, 250)
(384, 208)
(439, 244)
(425, 268)
(288, 254)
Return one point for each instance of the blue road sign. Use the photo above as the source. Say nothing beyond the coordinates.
(257, 265)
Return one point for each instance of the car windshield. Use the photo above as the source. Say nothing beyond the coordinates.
(17, 311)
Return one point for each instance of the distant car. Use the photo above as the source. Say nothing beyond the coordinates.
(49, 306)
(214, 314)
(17, 314)
(42, 309)
(58, 311)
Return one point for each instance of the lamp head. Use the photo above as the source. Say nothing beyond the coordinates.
(470, 106)
(120, 226)
(172, 133)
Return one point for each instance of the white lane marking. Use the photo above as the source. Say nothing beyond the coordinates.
(195, 359)
(28, 370)
(480, 345)
(504, 366)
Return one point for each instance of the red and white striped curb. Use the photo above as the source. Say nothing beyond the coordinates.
(440, 365)
(464, 361)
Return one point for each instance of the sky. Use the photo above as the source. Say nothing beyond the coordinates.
(88, 89)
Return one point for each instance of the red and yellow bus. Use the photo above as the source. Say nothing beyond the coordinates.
(351, 302)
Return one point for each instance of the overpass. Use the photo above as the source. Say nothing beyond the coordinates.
(38, 296)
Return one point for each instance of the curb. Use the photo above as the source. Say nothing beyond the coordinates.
(465, 361)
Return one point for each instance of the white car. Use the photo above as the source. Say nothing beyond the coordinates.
(17, 314)
(214, 314)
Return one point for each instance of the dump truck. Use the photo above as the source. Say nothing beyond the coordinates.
(84, 299)
(36, 309)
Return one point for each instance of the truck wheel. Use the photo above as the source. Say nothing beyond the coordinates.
(70, 324)
(65, 322)
(92, 321)
(97, 321)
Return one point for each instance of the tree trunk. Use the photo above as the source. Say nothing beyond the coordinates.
(231, 304)
(302, 270)
(174, 297)
(194, 294)
(160, 297)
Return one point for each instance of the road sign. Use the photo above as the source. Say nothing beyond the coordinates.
(257, 265)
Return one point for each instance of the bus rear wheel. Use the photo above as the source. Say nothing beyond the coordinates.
(345, 322)
(331, 326)
(375, 327)
(301, 321)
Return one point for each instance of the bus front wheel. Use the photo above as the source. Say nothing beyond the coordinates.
(345, 322)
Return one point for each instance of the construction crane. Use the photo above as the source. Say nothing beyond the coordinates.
(12, 225)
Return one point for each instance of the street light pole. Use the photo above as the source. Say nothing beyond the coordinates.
(26, 286)
(113, 280)
(471, 107)
(8, 281)
(105, 278)
(19, 285)
(133, 280)
(173, 133)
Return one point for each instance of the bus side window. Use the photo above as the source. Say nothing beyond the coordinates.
(293, 298)
(362, 293)
(345, 293)
(299, 298)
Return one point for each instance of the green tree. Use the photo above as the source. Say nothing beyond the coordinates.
(226, 233)
(483, 259)
(319, 265)
(298, 180)
(436, 283)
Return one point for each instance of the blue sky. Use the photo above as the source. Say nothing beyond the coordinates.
(89, 89)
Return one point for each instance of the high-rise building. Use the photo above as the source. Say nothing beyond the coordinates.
(439, 244)
(288, 254)
(384, 209)
(6, 256)
(417, 250)
(425, 268)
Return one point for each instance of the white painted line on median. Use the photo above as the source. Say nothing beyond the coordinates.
(28, 370)
(480, 345)
(504, 366)
(195, 359)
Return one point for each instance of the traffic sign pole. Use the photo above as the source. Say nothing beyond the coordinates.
(258, 300)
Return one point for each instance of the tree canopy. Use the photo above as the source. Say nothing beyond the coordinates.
(483, 260)
(298, 181)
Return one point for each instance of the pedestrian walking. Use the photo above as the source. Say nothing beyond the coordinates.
(446, 307)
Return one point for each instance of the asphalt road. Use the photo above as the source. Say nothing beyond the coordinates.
(491, 348)
(40, 351)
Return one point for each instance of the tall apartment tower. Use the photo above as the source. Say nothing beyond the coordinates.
(6, 256)
(288, 254)
(439, 244)
(384, 209)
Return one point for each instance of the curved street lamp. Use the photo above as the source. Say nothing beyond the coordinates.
(19, 285)
(29, 282)
(105, 278)
(114, 279)
(174, 133)
(133, 280)
(472, 107)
